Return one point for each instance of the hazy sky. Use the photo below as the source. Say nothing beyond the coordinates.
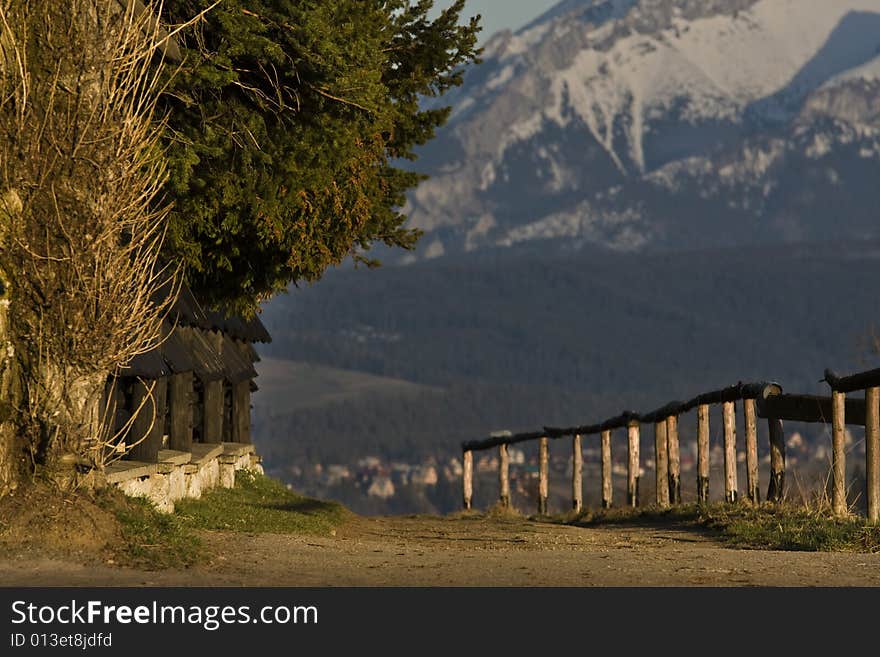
(501, 14)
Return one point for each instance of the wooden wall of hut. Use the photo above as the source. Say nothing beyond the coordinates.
(148, 427)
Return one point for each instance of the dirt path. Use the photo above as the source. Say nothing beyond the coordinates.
(467, 551)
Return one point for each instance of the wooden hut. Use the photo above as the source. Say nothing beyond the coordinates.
(194, 387)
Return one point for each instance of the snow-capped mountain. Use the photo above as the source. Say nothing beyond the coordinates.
(659, 124)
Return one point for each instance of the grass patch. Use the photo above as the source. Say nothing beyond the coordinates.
(150, 540)
(259, 504)
(626, 515)
(794, 529)
(766, 527)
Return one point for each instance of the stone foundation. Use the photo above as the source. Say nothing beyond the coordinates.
(180, 475)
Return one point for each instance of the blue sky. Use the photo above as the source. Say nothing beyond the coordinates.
(501, 14)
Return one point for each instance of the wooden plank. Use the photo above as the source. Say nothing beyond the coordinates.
(809, 408)
(120, 471)
(467, 479)
(226, 431)
(607, 491)
(241, 412)
(148, 426)
(872, 452)
(498, 438)
(237, 449)
(853, 382)
(838, 453)
(174, 457)
(730, 483)
(204, 452)
(776, 488)
(503, 476)
(180, 401)
(674, 460)
(577, 474)
(660, 414)
(751, 432)
(760, 390)
(661, 465)
(543, 467)
(703, 453)
(633, 464)
(212, 412)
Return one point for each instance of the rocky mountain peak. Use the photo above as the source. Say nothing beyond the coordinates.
(625, 123)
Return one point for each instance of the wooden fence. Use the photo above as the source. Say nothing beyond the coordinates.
(759, 400)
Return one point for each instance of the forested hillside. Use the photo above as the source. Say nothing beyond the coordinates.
(516, 340)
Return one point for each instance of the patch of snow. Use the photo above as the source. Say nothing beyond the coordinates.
(459, 109)
(435, 250)
(819, 147)
(869, 72)
(707, 69)
(616, 229)
(501, 78)
(488, 176)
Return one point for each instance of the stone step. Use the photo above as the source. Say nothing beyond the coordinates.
(175, 457)
(204, 452)
(237, 449)
(120, 471)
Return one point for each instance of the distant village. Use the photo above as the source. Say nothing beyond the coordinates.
(372, 484)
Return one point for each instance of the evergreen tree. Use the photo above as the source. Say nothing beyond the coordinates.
(287, 121)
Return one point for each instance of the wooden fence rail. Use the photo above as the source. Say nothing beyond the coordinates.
(764, 400)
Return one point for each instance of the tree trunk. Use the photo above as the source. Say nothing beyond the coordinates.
(10, 396)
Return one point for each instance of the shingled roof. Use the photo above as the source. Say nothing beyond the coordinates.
(188, 344)
(187, 311)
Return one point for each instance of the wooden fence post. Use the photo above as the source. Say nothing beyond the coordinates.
(776, 488)
(633, 464)
(467, 479)
(703, 453)
(503, 476)
(674, 459)
(730, 483)
(872, 451)
(543, 466)
(606, 470)
(838, 454)
(661, 464)
(751, 431)
(577, 474)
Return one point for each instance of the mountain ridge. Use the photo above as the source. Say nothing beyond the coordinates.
(601, 129)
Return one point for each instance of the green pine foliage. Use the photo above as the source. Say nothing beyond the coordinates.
(287, 120)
